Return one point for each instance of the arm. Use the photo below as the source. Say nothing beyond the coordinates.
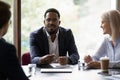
(101, 52)
(12, 67)
(114, 64)
(34, 49)
(72, 49)
(38, 49)
(93, 62)
(115, 57)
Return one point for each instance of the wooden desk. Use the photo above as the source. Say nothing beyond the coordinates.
(75, 75)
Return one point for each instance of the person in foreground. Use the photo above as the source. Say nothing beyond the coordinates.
(10, 68)
(52, 41)
(111, 46)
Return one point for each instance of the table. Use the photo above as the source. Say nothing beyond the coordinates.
(91, 74)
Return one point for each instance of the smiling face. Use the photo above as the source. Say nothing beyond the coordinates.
(105, 25)
(52, 22)
(111, 24)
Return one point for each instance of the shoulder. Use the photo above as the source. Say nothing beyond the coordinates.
(107, 39)
(6, 46)
(64, 29)
(4, 43)
(36, 32)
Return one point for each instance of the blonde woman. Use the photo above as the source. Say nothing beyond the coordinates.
(111, 46)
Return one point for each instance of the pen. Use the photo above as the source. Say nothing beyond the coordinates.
(78, 65)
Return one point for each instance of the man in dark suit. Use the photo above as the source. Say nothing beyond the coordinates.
(10, 68)
(52, 41)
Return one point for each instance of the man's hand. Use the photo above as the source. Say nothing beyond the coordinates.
(47, 59)
(63, 60)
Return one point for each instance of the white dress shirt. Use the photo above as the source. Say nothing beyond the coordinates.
(53, 46)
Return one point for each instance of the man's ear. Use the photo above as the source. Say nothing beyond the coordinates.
(44, 21)
(59, 22)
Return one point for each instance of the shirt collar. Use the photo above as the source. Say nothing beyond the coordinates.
(48, 33)
(117, 41)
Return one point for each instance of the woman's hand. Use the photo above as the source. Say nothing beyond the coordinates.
(87, 59)
(94, 64)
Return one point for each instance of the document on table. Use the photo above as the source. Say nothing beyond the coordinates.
(113, 77)
(117, 76)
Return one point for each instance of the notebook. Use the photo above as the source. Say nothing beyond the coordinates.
(54, 70)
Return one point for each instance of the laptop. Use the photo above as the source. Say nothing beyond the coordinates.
(55, 70)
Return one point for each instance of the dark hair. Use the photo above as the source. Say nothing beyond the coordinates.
(52, 10)
(5, 13)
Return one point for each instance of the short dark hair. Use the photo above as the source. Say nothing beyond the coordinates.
(5, 13)
(52, 10)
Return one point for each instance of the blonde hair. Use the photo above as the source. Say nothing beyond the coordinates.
(113, 17)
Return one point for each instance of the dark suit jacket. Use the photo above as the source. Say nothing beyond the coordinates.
(39, 45)
(10, 67)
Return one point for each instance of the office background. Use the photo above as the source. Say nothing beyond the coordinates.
(82, 16)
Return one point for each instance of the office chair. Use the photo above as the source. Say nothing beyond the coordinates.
(26, 58)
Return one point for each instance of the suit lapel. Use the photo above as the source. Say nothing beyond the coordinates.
(61, 42)
(45, 42)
